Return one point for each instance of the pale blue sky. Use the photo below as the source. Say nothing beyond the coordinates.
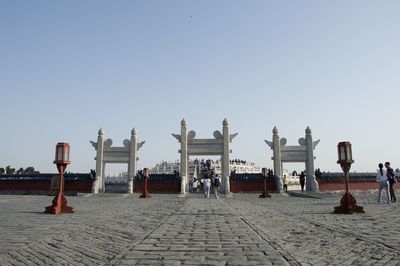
(68, 68)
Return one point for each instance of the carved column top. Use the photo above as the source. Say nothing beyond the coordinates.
(183, 122)
(134, 132)
(275, 131)
(308, 131)
(225, 123)
(101, 132)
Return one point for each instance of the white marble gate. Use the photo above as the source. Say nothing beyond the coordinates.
(107, 154)
(294, 154)
(219, 146)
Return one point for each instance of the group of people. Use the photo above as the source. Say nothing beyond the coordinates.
(387, 181)
(302, 179)
(206, 184)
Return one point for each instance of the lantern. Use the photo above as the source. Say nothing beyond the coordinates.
(348, 204)
(264, 171)
(62, 153)
(345, 153)
(59, 203)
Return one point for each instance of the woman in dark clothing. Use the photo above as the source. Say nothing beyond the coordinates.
(302, 180)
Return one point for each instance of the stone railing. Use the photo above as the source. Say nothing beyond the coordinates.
(117, 179)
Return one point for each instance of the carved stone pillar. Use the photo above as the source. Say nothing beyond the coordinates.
(277, 159)
(98, 184)
(132, 162)
(225, 158)
(184, 156)
(311, 182)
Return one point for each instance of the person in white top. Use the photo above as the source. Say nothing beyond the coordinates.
(195, 186)
(383, 183)
(207, 186)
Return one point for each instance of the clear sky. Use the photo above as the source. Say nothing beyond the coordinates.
(68, 68)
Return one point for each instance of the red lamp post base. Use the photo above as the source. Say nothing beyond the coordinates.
(264, 195)
(145, 195)
(59, 205)
(146, 178)
(348, 205)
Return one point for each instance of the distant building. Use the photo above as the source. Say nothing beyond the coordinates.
(239, 166)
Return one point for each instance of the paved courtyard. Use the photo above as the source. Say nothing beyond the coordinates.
(117, 229)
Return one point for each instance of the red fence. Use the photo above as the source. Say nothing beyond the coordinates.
(357, 181)
(237, 186)
(158, 187)
(366, 185)
(74, 183)
(250, 183)
(162, 183)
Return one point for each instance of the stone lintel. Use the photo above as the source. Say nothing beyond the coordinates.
(294, 148)
(204, 153)
(205, 141)
(210, 147)
(116, 154)
(293, 161)
(116, 159)
(294, 157)
(116, 149)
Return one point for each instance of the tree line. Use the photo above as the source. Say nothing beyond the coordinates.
(30, 170)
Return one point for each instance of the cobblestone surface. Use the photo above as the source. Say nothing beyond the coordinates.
(116, 229)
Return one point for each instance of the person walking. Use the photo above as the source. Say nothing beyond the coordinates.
(392, 180)
(206, 186)
(285, 182)
(382, 179)
(302, 180)
(217, 184)
(196, 185)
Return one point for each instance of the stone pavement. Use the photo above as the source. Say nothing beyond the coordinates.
(118, 229)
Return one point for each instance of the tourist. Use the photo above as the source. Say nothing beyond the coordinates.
(285, 182)
(217, 184)
(383, 183)
(195, 185)
(392, 180)
(206, 186)
(191, 180)
(302, 180)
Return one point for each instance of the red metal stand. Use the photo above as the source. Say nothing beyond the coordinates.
(59, 203)
(145, 191)
(348, 202)
(265, 194)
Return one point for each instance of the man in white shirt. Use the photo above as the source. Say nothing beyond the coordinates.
(207, 186)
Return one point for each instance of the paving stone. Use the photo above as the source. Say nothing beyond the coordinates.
(167, 230)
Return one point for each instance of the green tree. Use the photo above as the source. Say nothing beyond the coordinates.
(20, 171)
(2, 171)
(397, 170)
(9, 170)
(30, 170)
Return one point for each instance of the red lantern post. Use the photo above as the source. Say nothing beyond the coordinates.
(264, 194)
(146, 177)
(59, 203)
(347, 203)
